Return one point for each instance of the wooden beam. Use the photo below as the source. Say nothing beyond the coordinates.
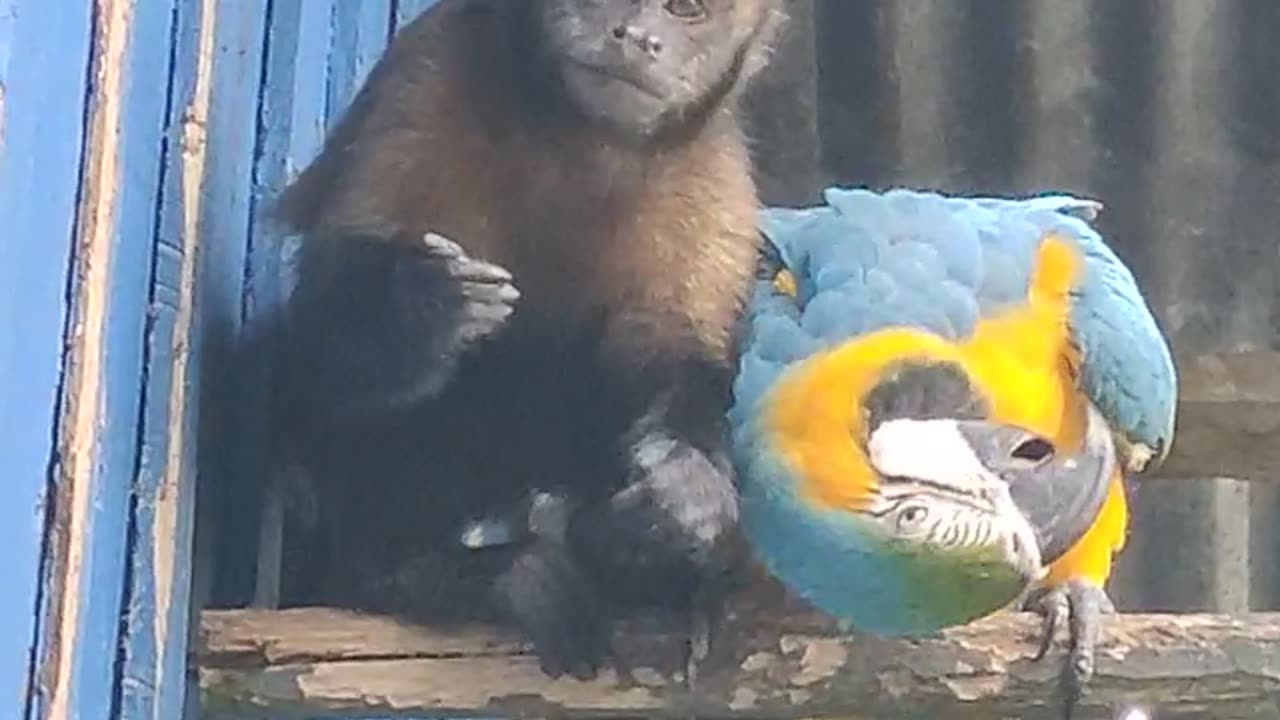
(766, 664)
(44, 51)
(1228, 417)
(171, 77)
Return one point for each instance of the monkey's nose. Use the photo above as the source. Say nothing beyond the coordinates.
(647, 43)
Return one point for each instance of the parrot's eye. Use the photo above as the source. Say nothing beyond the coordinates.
(911, 517)
(1034, 450)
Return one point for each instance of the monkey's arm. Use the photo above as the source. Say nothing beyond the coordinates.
(378, 324)
(666, 528)
(659, 539)
(671, 528)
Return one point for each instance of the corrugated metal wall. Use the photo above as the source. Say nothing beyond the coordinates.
(1166, 110)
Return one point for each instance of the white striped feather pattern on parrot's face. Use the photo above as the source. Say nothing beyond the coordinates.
(927, 561)
(930, 515)
(936, 542)
(934, 489)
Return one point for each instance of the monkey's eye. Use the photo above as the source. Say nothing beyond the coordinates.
(687, 9)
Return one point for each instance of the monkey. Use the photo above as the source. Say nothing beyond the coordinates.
(524, 250)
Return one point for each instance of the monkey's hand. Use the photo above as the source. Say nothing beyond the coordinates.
(488, 291)
(547, 596)
(381, 324)
(673, 527)
(678, 510)
(666, 538)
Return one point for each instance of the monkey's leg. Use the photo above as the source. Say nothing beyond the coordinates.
(377, 324)
(431, 583)
(549, 598)
(1081, 603)
(667, 537)
(706, 614)
(541, 589)
(673, 524)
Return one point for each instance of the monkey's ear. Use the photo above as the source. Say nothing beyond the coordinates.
(760, 47)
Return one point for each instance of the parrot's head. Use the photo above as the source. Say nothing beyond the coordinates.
(896, 505)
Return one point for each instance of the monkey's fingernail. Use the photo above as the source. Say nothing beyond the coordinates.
(501, 296)
(442, 245)
(493, 272)
(476, 271)
(508, 293)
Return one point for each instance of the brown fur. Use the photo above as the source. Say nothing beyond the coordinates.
(583, 224)
(632, 256)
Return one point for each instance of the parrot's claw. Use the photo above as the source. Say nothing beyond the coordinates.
(1082, 604)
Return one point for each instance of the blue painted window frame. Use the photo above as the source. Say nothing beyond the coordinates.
(139, 145)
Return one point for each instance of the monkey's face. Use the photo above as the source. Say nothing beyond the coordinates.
(636, 65)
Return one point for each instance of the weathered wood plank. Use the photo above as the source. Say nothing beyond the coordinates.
(1228, 416)
(225, 218)
(360, 32)
(154, 680)
(294, 101)
(295, 92)
(318, 661)
(103, 385)
(44, 50)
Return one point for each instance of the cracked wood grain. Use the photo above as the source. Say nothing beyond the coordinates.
(766, 664)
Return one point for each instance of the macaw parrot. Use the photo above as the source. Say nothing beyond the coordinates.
(937, 401)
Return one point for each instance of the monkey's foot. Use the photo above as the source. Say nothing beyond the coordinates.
(1082, 604)
(488, 290)
(549, 598)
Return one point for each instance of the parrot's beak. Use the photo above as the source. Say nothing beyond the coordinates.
(1059, 495)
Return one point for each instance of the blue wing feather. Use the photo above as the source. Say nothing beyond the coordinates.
(868, 260)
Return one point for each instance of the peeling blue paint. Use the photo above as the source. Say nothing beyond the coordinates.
(282, 71)
(44, 54)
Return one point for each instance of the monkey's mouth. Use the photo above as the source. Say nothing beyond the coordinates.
(607, 72)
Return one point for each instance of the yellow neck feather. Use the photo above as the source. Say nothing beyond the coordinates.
(1021, 358)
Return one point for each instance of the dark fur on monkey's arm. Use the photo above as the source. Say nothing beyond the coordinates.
(669, 527)
(669, 536)
(379, 324)
(664, 538)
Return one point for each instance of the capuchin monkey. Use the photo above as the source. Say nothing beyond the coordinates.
(524, 250)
